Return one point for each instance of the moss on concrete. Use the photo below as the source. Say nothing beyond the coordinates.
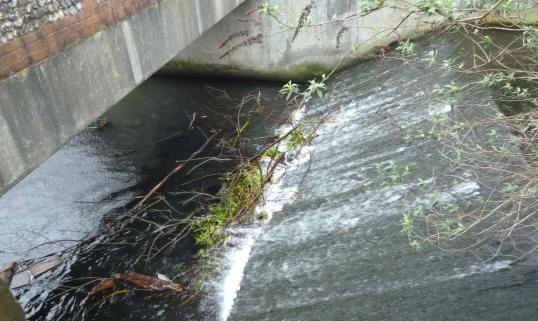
(297, 73)
(529, 16)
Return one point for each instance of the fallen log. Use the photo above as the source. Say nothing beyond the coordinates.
(45, 266)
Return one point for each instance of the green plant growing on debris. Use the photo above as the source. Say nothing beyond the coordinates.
(297, 138)
(242, 192)
(243, 187)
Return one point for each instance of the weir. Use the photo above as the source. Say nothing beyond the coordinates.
(65, 63)
(335, 249)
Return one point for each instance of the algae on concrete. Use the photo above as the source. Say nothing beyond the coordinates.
(297, 73)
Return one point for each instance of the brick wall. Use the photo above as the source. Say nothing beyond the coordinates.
(33, 47)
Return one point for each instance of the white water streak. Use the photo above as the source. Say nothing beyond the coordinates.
(275, 197)
(232, 280)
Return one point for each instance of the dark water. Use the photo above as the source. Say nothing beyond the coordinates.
(83, 188)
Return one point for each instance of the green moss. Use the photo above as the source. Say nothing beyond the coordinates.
(531, 16)
(527, 16)
(244, 188)
(296, 73)
(297, 138)
(307, 71)
(300, 72)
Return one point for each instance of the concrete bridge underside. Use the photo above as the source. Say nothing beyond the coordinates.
(58, 78)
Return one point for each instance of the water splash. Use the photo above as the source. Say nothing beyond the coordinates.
(241, 239)
(238, 257)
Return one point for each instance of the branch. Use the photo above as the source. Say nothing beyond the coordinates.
(480, 18)
(174, 171)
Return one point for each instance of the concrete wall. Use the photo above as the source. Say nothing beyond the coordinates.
(44, 105)
(277, 56)
(272, 53)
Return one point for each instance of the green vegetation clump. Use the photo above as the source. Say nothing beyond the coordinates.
(272, 152)
(244, 189)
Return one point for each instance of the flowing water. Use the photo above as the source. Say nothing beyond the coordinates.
(333, 247)
(335, 251)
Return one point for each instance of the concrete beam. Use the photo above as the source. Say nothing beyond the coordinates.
(44, 106)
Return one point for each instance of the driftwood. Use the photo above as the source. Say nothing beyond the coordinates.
(42, 267)
(148, 282)
(103, 286)
(7, 271)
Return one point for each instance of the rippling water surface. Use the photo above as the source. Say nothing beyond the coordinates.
(98, 173)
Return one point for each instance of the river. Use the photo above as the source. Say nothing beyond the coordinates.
(333, 248)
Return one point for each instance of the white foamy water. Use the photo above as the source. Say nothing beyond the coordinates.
(239, 244)
(238, 257)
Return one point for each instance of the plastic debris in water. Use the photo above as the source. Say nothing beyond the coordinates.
(163, 277)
